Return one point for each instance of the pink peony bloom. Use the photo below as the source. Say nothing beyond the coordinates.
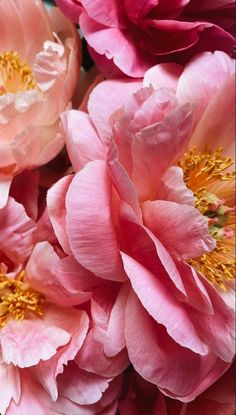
(38, 72)
(147, 211)
(40, 330)
(131, 36)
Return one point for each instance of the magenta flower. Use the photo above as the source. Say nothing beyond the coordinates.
(130, 36)
(150, 212)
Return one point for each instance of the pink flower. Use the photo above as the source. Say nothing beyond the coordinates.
(139, 212)
(131, 36)
(40, 330)
(38, 72)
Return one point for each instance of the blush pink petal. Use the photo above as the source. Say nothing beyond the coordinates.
(63, 283)
(76, 323)
(162, 306)
(82, 141)
(25, 343)
(82, 387)
(217, 126)
(33, 396)
(17, 235)
(173, 188)
(164, 362)
(201, 79)
(57, 210)
(164, 75)
(89, 223)
(10, 383)
(112, 94)
(181, 228)
(162, 144)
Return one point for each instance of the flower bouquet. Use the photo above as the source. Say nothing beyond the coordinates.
(117, 207)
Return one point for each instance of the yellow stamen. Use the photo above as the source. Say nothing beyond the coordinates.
(17, 300)
(202, 171)
(15, 75)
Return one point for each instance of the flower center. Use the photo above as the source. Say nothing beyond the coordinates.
(17, 300)
(15, 75)
(207, 175)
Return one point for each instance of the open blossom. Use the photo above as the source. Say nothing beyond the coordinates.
(131, 36)
(38, 72)
(150, 207)
(40, 330)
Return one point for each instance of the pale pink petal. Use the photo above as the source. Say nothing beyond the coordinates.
(33, 396)
(25, 343)
(76, 323)
(70, 8)
(62, 285)
(5, 183)
(10, 384)
(162, 306)
(89, 223)
(217, 126)
(82, 387)
(201, 79)
(164, 75)
(57, 210)
(173, 188)
(17, 235)
(82, 141)
(112, 94)
(181, 228)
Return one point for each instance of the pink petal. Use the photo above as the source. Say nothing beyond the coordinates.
(201, 79)
(57, 210)
(107, 13)
(158, 359)
(82, 387)
(162, 306)
(162, 144)
(70, 8)
(89, 223)
(173, 188)
(106, 98)
(25, 343)
(217, 125)
(17, 234)
(117, 45)
(10, 383)
(82, 141)
(137, 11)
(76, 323)
(164, 75)
(62, 285)
(181, 228)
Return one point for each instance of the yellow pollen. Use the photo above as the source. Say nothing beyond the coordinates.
(15, 75)
(17, 300)
(202, 172)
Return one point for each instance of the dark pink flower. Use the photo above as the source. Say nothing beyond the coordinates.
(130, 35)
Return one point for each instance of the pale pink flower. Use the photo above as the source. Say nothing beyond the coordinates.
(40, 330)
(130, 216)
(131, 36)
(38, 71)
